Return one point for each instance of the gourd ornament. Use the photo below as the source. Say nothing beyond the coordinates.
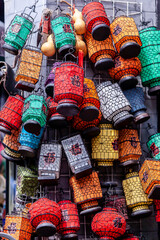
(48, 48)
(80, 45)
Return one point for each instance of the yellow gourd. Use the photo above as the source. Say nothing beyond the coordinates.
(48, 48)
(80, 45)
(77, 15)
(80, 26)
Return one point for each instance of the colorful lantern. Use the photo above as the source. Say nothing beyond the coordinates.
(108, 224)
(101, 53)
(77, 156)
(114, 105)
(64, 36)
(153, 143)
(136, 199)
(125, 71)
(70, 223)
(34, 113)
(87, 190)
(29, 67)
(126, 36)
(105, 146)
(49, 163)
(45, 216)
(96, 20)
(129, 147)
(157, 209)
(136, 98)
(11, 114)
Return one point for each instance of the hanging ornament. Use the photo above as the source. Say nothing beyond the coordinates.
(153, 142)
(80, 45)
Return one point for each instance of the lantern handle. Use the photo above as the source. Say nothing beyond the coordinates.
(102, 75)
(70, 53)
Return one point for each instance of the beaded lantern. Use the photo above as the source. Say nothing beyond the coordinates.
(101, 53)
(105, 146)
(150, 59)
(29, 67)
(126, 36)
(108, 224)
(96, 20)
(70, 224)
(129, 147)
(87, 190)
(34, 113)
(125, 71)
(11, 114)
(153, 143)
(157, 209)
(45, 216)
(49, 163)
(150, 178)
(136, 98)
(114, 105)
(77, 156)
(136, 199)
(64, 36)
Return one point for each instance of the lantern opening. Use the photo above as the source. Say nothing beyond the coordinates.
(128, 82)
(45, 229)
(8, 48)
(32, 126)
(104, 63)
(57, 120)
(100, 32)
(130, 49)
(25, 86)
(27, 151)
(67, 109)
(89, 113)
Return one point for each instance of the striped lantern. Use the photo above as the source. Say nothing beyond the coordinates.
(77, 156)
(101, 53)
(129, 147)
(96, 20)
(29, 67)
(153, 145)
(135, 97)
(126, 36)
(87, 190)
(157, 209)
(136, 199)
(105, 146)
(125, 71)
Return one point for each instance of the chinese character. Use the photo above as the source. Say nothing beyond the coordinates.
(118, 62)
(67, 28)
(16, 27)
(50, 158)
(85, 88)
(117, 30)
(117, 222)
(75, 150)
(115, 144)
(154, 149)
(145, 176)
(12, 228)
(75, 80)
(133, 142)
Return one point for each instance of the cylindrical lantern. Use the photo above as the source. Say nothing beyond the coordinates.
(70, 224)
(105, 146)
(125, 71)
(101, 53)
(29, 67)
(108, 224)
(136, 199)
(153, 145)
(64, 36)
(87, 190)
(129, 147)
(49, 163)
(114, 105)
(157, 209)
(11, 114)
(136, 98)
(45, 216)
(34, 113)
(96, 20)
(126, 36)
(77, 156)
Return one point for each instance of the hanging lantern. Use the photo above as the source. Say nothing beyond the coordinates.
(45, 216)
(77, 156)
(11, 114)
(135, 97)
(29, 67)
(129, 147)
(136, 199)
(70, 224)
(64, 35)
(157, 209)
(149, 58)
(125, 71)
(114, 105)
(153, 143)
(101, 53)
(96, 20)
(34, 113)
(126, 37)
(49, 163)
(87, 190)
(108, 224)
(105, 146)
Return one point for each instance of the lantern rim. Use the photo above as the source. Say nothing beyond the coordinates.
(141, 213)
(142, 118)
(101, 32)
(128, 82)
(68, 109)
(25, 86)
(154, 90)
(91, 210)
(70, 236)
(123, 121)
(5, 130)
(129, 162)
(89, 113)
(26, 151)
(65, 49)
(5, 235)
(91, 132)
(57, 121)
(10, 49)
(32, 126)
(130, 50)
(49, 89)
(9, 158)
(104, 63)
(46, 229)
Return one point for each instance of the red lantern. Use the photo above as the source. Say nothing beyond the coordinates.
(45, 215)
(108, 224)
(157, 209)
(11, 114)
(130, 237)
(70, 223)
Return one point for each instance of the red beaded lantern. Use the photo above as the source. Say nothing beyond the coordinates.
(11, 114)
(108, 224)
(45, 216)
(157, 209)
(70, 223)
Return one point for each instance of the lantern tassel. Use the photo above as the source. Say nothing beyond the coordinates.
(80, 58)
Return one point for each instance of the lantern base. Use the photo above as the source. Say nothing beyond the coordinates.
(130, 162)
(91, 132)
(27, 151)
(47, 180)
(70, 236)
(49, 89)
(84, 171)
(128, 82)
(9, 158)
(65, 49)
(155, 192)
(130, 50)
(100, 32)
(154, 90)
(8, 48)
(5, 130)
(90, 210)
(45, 229)
(141, 213)
(32, 126)
(105, 163)
(25, 86)
(123, 121)
(68, 109)
(57, 121)
(104, 63)
(89, 113)
(143, 117)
